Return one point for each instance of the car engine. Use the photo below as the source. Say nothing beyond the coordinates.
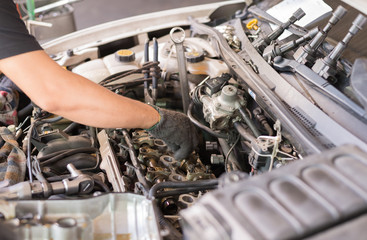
(263, 105)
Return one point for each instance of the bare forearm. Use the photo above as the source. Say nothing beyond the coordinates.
(74, 97)
(90, 104)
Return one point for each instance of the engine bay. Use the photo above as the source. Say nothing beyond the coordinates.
(260, 103)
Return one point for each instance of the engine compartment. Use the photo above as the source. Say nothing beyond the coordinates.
(259, 103)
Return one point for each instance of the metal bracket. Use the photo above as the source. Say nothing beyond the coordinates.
(110, 164)
(283, 64)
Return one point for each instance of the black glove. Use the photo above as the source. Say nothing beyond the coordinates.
(177, 131)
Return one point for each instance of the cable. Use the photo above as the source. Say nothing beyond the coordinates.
(29, 146)
(202, 126)
(120, 75)
(196, 93)
(231, 149)
(18, 9)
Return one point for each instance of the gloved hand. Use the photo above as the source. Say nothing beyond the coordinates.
(177, 131)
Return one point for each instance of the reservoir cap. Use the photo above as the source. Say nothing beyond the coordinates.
(125, 55)
(194, 56)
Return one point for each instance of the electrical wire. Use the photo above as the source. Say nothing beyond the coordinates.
(29, 143)
(230, 150)
(29, 146)
(18, 9)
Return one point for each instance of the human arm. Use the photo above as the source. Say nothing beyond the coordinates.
(64, 93)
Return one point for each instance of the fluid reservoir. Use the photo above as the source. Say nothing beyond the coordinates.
(98, 69)
(199, 55)
(204, 65)
(120, 61)
(94, 70)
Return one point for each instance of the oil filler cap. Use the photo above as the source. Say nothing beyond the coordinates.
(194, 56)
(125, 55)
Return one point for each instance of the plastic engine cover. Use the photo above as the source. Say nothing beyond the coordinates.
(317, 198)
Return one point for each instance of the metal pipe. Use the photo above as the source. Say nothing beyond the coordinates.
(54, 5)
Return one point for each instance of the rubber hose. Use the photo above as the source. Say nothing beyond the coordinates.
(27, 110)
(71, 127)
(102, 185)
(249, 122)
(183, 191)
(50, 120)
(243, 132)
(196, 184)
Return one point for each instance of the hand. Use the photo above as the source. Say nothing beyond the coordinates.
(177, 131)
